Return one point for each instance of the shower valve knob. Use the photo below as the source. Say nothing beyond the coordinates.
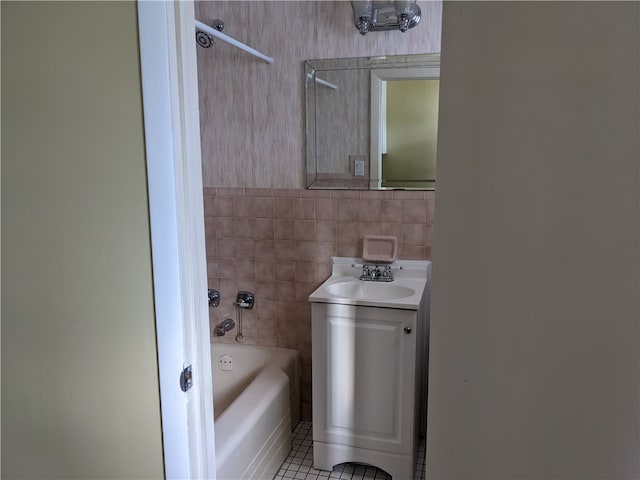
(245, 300)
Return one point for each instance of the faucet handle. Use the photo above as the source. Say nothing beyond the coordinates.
(214, 297)
(245, 300)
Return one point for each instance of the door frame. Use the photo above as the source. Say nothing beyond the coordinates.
(174, 170)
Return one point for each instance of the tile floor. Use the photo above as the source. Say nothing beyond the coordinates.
(299, 464)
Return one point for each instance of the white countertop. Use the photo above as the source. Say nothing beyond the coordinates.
(345, 287)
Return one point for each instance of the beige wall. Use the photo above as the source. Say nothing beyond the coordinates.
(535, 318)
(79, 371)
(252, 114)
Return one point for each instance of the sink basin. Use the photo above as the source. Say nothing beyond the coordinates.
(344, 286)
(357, 289)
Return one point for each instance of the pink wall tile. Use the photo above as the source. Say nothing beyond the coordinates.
(368, 228)
(283, 229)
(227, 288)
(285, 250)
(245, 248)
(304, 230)
(391, 230)
(377, 195)
(212, 266)
(226, 268)
(342, 194)
(324, 251)
(223, 226)
(257, 192)
(348, 250)
(305, 272)
(409, 194)
(266, 290)
(223, 206)
(225, 247)
(210, 244)
(265, 270)
(243, 228)
(326, 231)
(347, 232)
(323, 271)
(249, 327)
(283, 208)
(391, 211)
(368, 210)
(229, 191)
(286, 192)
(285, 271)
(278, 243)
(414, 234)
(266, 309)
(326, 209)
(267, 330)
(264, 228)
(347, 211)
(286, 331)
(305, 209)
(414, 211)
(208, 205)
(411, 252)
(285, 290)
(246, 269)
(263, 207)
(265, 249)
(428, 239)
(315, 193)
(431, 204)
(305, 251)
(209, 227)
(243, 207)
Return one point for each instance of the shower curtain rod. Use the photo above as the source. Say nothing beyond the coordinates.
(327, 84)
(226, 38)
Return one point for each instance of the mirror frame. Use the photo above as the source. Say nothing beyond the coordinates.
(382, 68)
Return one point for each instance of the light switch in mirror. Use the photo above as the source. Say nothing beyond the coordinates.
(371, 122)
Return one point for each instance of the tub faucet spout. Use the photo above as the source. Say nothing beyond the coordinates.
(224, 326)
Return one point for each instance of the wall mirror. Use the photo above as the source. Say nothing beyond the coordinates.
(371, 122)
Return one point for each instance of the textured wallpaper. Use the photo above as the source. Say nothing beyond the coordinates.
(252, 113)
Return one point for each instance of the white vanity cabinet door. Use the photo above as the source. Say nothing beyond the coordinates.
(364, 361)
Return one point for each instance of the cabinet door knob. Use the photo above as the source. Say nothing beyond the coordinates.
(407, 330)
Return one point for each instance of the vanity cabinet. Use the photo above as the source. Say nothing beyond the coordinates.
(368, 376)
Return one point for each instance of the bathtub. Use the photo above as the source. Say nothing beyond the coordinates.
(256, 404)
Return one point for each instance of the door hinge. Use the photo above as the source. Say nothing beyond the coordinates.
(186, 378)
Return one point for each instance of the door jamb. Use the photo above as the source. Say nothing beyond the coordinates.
(174, 169)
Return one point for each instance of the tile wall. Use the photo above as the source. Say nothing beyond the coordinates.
(278, 243)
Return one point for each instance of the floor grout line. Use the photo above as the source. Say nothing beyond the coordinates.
(299, 463)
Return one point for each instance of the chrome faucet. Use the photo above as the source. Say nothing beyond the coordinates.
(376, 273)
(224, 326)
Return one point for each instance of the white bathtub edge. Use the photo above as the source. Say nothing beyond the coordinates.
(260, 396)
(275, 451)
